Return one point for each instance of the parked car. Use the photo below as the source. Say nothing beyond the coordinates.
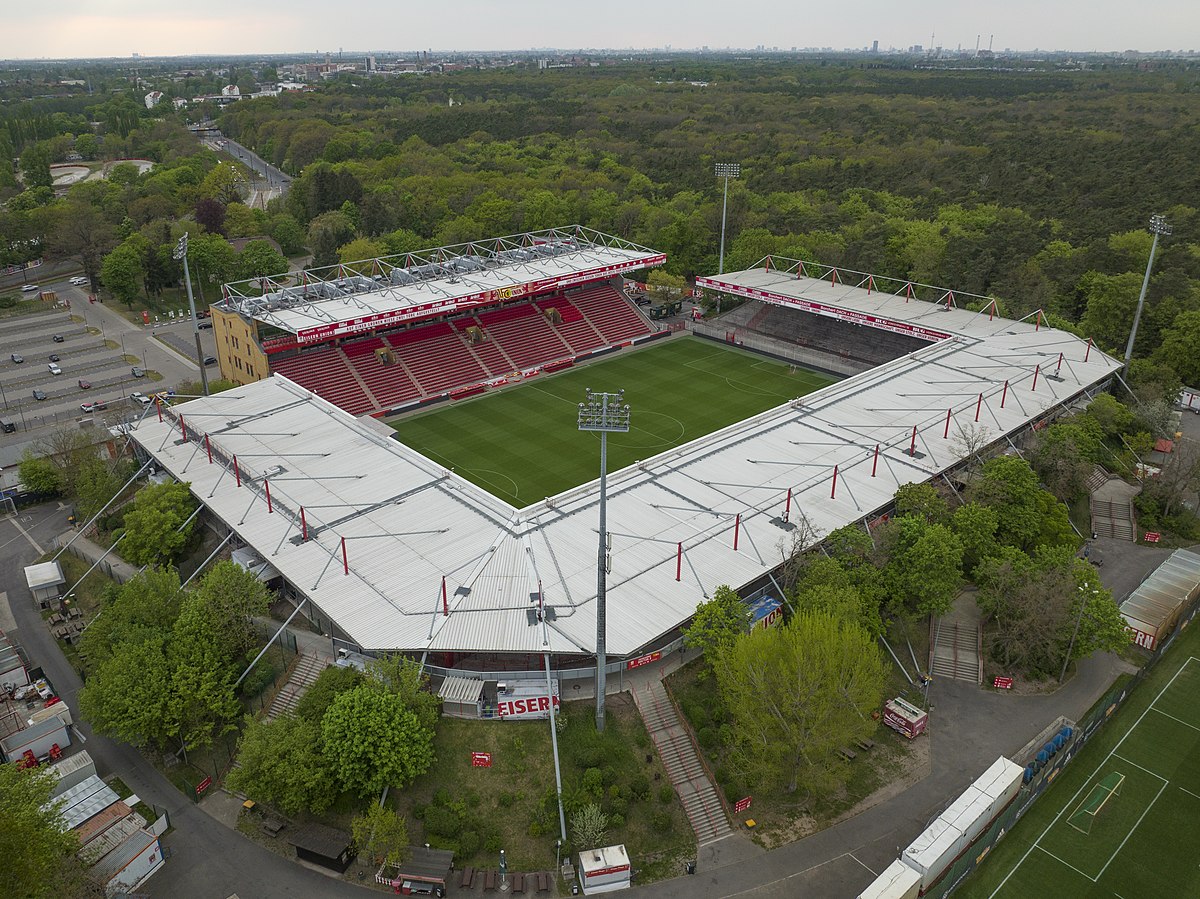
(204, 325)
(54, 357)
(38, 395)
(137, 372)
(58, 338)
(210, 360)
(17, 358)
(54, 369)
(85, 384)
(79, 281)
(97, 406)
(28, 288)
(139, 397)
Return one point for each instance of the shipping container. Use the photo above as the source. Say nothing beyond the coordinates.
(72, 770)
(933, 851)
(37, 738)
(898, 881)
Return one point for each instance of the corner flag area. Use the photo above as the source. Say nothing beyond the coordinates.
(1121, 818)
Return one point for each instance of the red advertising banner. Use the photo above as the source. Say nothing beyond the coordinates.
(643, 660)
(481, 759)
(203, 785)
(741, 805)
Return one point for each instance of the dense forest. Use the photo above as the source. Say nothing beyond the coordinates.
(1033, 186)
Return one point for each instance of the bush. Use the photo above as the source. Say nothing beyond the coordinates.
(639, 787)
(619, 806)
(258, 679)
(535, 828)
(593, 782)
(493, 842)
(708, 737)
(661, 820)
(590, 757)
(418, 810)
(665, 794)
(468, 845)
(616, 821)
(441, 822)
(442, 797)
(505, 799)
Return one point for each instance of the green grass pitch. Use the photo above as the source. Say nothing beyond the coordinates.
(1144, 842)
(522, 443)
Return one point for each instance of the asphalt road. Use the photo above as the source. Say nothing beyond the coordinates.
(207, 860)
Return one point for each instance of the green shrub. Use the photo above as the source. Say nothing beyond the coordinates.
(661, 820)
(708, 737)
(593, 782)
(619, 806)
(616, 822)
(493, 842)
(442, 822)
(665, 794)
(468, 845)
(535, 828)
(590, 757)
(442, 797)
(505, 799)
(639, 786)
(418, 810)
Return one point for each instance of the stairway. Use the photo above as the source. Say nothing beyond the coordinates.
(306, 671)
(674, 744)
(954, 650)
(1113, 518)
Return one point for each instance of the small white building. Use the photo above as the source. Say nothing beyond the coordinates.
(604, 870)
(153, 99)
(44, 581)
(231, 90)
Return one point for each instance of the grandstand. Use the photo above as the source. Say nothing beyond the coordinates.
(387, 334)
(392, 551)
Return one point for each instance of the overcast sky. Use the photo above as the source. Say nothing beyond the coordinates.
(92, 28)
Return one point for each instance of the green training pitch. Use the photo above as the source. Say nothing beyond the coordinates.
(1143, 841)
(522, 444)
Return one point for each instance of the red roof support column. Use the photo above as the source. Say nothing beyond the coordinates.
(912, 447)
(158, 406)
(1036, 371)
(787, 506)
(303, 526)
(1060, 360)
(946, 433)
(1038, 325)
(978, 406)
(737, 530)
(236, 472)
(833, 487)
(345, 558)
(208, 448)
(1004, 395)
(445, 601)
(679, 561)
(875, 463)
(267, 485)
(1089, 350)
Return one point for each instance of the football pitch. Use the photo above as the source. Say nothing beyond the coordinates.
(522, 444)
(1143, 841)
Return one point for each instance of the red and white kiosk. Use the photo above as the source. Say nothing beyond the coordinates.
(904, 717)
(604, 870)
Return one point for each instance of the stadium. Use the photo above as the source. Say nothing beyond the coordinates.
(471, 540)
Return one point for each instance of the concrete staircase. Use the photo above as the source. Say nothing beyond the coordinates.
(956, 644)
(1113, 519)
(308, 667)
(674, 744)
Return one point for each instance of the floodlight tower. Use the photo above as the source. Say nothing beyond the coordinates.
(1158, 226)
(181, 253)
(602, 412)
(725, 170)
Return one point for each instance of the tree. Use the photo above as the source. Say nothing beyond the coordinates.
(79, 230)
(1112, 416)
(210, 215)
(1065, 454)
(95, 484)
(211, 259)
(40, 475)
(124, 270)
(146, 604)
(326, 233)
(589, 824)
(797, 694)
(1180, 347)
(1008, 486)
(922, 501)
(258, 259)
(924, 568)
(329, 685)
(223, 184)
(38, 851)
(717, 624)
(361, 248)
(127, 695)
(202, 703)
(402, 677)
(373, 741)
(154, 527)
(975, 526)
(231, 597)
(287, 233)
(282, 763)
(35, 166)
(381, 834)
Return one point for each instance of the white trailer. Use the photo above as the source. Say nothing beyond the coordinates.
(898, 881)
(604, 870)
(72, 770)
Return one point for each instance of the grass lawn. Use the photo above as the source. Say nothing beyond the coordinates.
(511, 805)
(1142, 841)
(522, 444)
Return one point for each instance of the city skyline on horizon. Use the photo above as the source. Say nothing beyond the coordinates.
(118, 29)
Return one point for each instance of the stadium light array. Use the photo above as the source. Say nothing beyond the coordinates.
(602, 413)
(1158, 226)
(180, 253)
(725, 170)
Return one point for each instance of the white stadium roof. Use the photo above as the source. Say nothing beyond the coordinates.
(321, 304)
(407, 522)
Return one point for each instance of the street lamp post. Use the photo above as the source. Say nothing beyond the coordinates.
(725, 170)
(1158, 226)
(602, 412)
(181, 253)
(1083, 601)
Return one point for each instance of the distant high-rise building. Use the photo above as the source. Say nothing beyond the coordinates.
(874, 46)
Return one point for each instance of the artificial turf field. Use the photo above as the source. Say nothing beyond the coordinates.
(1144, 842)
(522, 443)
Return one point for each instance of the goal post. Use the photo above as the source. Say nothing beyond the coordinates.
(1095, 801)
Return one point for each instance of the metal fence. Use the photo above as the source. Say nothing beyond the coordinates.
(1101, 712)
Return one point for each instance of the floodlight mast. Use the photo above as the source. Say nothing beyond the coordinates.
(602, 412)
(181, 253)
(1158, 225)
(725, 170)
